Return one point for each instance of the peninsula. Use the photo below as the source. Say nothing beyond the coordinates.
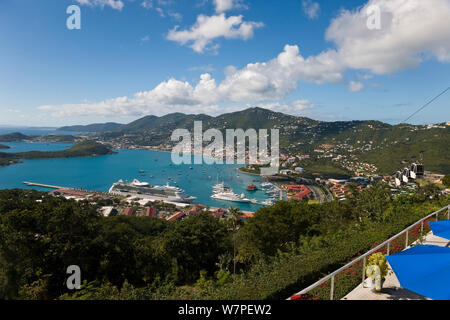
(83, 149)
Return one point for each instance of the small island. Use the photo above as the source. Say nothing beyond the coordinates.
(83, 149)
(2, 146)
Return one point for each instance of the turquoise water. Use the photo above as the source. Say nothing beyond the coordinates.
(39, 146)
(99, 173)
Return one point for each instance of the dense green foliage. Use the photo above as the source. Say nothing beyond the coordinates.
(40, 236)
(284, 248)
(446, 180)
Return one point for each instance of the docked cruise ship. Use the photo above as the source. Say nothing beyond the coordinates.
(145, 190)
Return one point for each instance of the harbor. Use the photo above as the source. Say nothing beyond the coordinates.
(143, 191)
(99, 173)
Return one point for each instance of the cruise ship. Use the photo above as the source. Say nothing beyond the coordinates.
(145, 190)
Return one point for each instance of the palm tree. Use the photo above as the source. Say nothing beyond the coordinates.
(234, 223)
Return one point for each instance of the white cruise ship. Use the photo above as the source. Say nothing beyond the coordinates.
(145, 190)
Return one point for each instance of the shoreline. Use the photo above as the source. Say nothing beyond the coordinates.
(249, 173)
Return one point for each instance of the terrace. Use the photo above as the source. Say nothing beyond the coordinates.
(348, 282)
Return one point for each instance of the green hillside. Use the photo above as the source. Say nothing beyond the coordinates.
(95, 127)
(373, 142)
(82, 149)
(15, 136)
(434, 144)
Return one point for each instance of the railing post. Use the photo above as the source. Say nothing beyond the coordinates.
(388, 248)
(437, 216)
(448, 213)
(364, 271)
(332, 288)
(407, 233)
(421, 227)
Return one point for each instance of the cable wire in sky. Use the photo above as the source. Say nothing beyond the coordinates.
(426, 105)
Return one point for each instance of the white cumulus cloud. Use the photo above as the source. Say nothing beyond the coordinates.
(115, 4)
(226, 5)
(311, 9)
(201, 35)
(412, 31)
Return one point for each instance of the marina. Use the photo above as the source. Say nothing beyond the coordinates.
(100, 173)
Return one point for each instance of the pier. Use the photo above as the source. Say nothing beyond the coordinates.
(43, 185)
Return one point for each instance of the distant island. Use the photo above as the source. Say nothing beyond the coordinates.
(83, 149)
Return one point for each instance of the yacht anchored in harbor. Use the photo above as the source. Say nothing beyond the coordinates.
(145, 190)
(231, 196)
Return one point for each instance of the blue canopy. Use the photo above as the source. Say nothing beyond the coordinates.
(424, 269)
(441, 228)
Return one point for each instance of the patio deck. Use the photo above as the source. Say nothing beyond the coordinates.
(391, 288)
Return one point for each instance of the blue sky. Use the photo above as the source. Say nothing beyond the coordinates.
(137, 57)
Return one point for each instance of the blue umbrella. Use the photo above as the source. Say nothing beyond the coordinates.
(424, 269)
(441, 228)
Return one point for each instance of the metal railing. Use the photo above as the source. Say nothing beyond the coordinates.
(387, 243)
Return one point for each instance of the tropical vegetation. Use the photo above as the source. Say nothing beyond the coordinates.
(271, 256)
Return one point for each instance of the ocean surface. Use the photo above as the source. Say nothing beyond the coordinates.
(99, 173)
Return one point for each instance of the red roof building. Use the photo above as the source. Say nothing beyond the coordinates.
(303, 194)
(129, 212)
(150, 212)
(298, 191)
(176, 216)
(246, 216)
(219, 213)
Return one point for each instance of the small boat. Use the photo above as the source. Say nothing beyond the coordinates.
(266, 185)
(268, 202)
(251, 187)
(141, 171)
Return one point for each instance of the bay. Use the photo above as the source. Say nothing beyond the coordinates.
(99, 173)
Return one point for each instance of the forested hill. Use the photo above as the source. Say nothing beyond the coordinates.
(382, 144)
(12, 137)
(388, 147)
(95, 127)
(82, 149)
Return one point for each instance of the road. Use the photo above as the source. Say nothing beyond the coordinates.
(319, 194)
